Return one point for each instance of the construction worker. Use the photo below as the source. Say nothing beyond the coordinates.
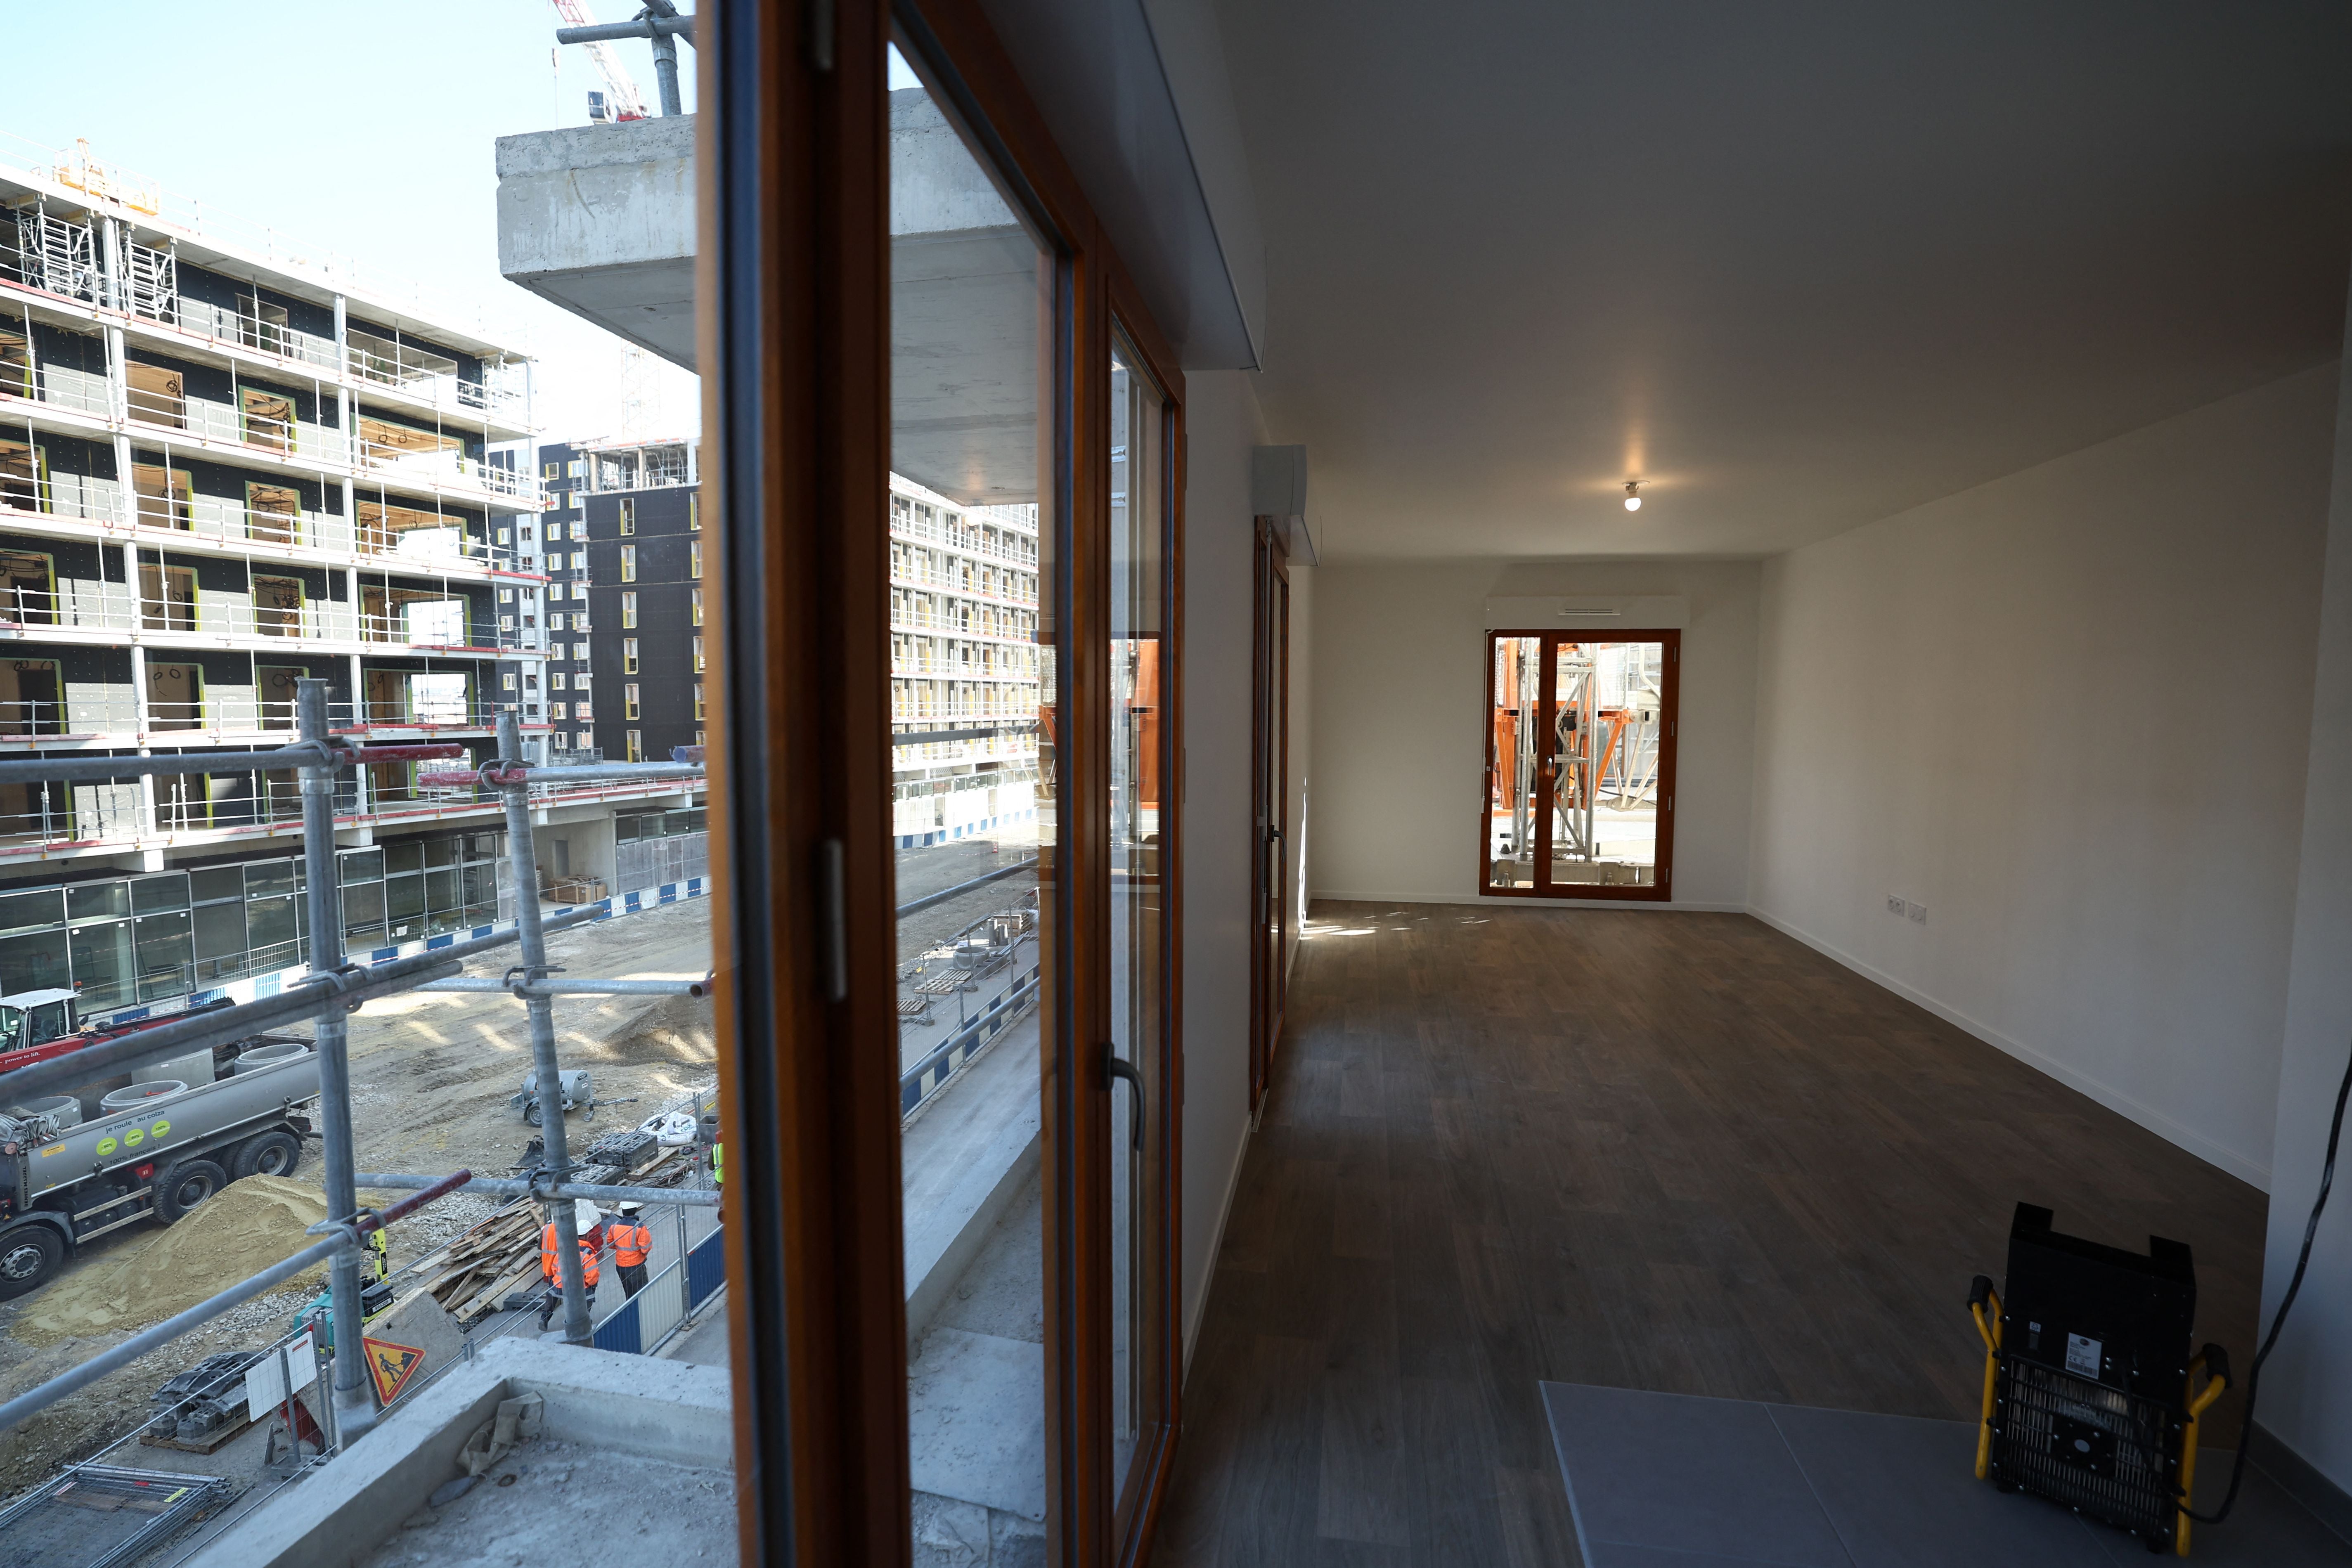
(631, 1241)
(551, 1266)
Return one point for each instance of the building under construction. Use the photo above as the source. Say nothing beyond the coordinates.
(223, 470)
(965, 682)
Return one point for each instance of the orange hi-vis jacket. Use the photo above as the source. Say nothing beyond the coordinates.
(551, 1266)
(630, 1243)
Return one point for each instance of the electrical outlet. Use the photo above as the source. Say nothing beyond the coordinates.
(1918, 914)
(1895, 906)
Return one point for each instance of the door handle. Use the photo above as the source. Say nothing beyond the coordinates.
(1114, 1068)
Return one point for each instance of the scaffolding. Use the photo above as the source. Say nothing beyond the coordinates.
(333, 991)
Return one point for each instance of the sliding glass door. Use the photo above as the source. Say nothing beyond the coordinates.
(1581, 738)
(1138, 877)
(952, 794)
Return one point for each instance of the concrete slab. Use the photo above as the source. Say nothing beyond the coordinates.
(965, 1160)
(611, 1406)
(575, 1504)
(600, 220)
(976, 1413)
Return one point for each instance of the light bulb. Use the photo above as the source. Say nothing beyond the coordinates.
(1632, 495)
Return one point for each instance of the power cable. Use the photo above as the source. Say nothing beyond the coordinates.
(2293, 1285)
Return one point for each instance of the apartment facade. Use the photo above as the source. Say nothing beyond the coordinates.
(622, 550)
(966, 681)
(221, 473)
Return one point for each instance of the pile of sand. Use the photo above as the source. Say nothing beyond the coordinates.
(239, 1231)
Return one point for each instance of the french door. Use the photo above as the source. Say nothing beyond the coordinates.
(1270, 897)
(1580, 783)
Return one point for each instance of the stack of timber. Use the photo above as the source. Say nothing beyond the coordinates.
(472, 1276)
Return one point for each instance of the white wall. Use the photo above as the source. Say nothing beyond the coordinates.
(2069, 713)
(2307, 1394)
(1399, 754)
(1221, 426)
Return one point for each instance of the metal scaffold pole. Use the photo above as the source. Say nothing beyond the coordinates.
(542, 1011)
(355, 1412)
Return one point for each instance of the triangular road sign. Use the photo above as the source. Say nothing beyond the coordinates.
(391, 1365)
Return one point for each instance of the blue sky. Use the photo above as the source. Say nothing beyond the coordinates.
(363, 129)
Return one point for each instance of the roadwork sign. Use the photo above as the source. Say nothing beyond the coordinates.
(391, 1365)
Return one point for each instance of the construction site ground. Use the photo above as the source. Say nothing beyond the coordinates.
(431, 1077)
(432, 1074)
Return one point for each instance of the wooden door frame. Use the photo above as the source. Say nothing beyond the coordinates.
(1669, 740)
(1269, 977)
(793, 267)
(1133, 1514)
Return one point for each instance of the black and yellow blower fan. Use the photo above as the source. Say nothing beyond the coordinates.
(2091, 1396)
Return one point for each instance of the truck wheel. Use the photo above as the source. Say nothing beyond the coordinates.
(185, 1185)
(29, 1255)
(268, 1155)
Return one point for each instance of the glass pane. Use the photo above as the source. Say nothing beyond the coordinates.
(34, 961)
(29, 911)
(1607, 697)
(166, 955)
(268, 878)
(98, 900)
(1138, 946)
(220, 931)
(972, 695)
(102, 965)
(1511, 781)
(215, 883)
(363, 911)
(151, 894)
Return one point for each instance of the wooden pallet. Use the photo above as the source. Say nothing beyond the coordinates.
(218, 1440)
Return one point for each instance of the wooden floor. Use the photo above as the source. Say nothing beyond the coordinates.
(1674, 1152)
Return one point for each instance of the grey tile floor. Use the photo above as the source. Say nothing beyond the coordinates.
(1672, 1480)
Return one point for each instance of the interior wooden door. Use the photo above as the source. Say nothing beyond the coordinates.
(1270, 895)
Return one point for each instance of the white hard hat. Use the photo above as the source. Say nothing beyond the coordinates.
(587, 1215)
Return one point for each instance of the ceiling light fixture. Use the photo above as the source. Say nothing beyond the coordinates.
(1632, 495)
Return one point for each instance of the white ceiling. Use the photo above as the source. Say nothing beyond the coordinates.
(1800, 266)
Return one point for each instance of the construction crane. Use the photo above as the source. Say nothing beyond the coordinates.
(621, 100)
(660, 23)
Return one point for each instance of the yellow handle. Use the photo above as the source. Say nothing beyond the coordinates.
(1988, 1330)
(2213, 1389)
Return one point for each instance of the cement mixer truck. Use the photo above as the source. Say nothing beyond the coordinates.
(126, 1147)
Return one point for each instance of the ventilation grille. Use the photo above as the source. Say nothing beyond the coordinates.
(2098, 1450)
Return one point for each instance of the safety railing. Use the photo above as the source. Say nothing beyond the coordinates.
(970, 620)
(451, 540)
(638, 468)
(1015, 549)
(60, 386)
(434, 459)
(906, 575)
(432, 626)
